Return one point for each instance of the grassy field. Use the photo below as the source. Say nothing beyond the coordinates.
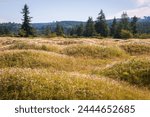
(61, 68)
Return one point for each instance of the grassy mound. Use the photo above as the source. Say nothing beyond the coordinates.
(136, 49)
(33, 59)
(34, 46)
(134, 71)
(93, 51)
(42, 84)
(41, 59)
(73, 69)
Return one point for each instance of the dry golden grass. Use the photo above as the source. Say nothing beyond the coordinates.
(58, 68)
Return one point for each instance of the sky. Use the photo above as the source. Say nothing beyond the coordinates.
(71, 10)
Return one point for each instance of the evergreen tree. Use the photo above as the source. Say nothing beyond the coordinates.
(122, 26)
(26, 29)
(5, 31)
(134, 25)
(101, 25)
(89, 28)
(59, 30)
(118, 30)
(113, 27)
(72, 31)
(80, 30)
(125, 21)
(47, 31)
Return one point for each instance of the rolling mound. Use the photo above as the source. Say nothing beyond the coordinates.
(136, 48)
(94, 51)
(43, 84)
(34, 59)
(134, 71)
(61, 68)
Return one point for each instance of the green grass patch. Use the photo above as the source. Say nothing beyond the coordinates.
(135, 71)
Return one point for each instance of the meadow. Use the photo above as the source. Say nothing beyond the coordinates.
(74, 69)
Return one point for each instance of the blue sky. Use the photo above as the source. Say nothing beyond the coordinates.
(78, 10)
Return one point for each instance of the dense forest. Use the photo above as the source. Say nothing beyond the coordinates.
(124, 27)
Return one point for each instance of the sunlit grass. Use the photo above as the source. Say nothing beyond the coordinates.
(135, 71)
(94, 51)
(59, 68)
(43, 84)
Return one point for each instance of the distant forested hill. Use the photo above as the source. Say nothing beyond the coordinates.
(65, 24)
(143, 26)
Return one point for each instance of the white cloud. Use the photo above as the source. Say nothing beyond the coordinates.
(3, 20)
(143, 9)
(142, 2)
(139, 12)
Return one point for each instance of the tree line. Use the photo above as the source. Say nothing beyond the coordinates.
(124, 27)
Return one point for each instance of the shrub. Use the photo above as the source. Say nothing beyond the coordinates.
(142, 36)
(125, 34)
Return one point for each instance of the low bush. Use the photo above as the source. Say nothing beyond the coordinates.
(125, 34)
(142, 36)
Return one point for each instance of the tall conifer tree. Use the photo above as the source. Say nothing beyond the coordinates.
(134, 25)
(89, 28)
(26, 28)
(59, 30)
(113, 27)
(101, 25)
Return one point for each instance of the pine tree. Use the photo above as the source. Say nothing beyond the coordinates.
(118, 30)
(101, 25)
(72, 31)
(89, 28)
(113, 27)
(123, 26)
(80, 30)
(125, 21)
(26, 29)
(59, 30)
(134, 25)
(47, 31)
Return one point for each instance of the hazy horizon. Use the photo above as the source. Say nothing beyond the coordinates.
(68, 10)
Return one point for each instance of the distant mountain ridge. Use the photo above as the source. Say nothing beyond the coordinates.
(71, 24)
(64, 24)
(14, 27)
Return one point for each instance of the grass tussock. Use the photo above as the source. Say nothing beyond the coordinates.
(42, 59)
(43, 84)
(136, 48)
(94, 51)
(134, 71)
(33, 59)
(34, 46)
